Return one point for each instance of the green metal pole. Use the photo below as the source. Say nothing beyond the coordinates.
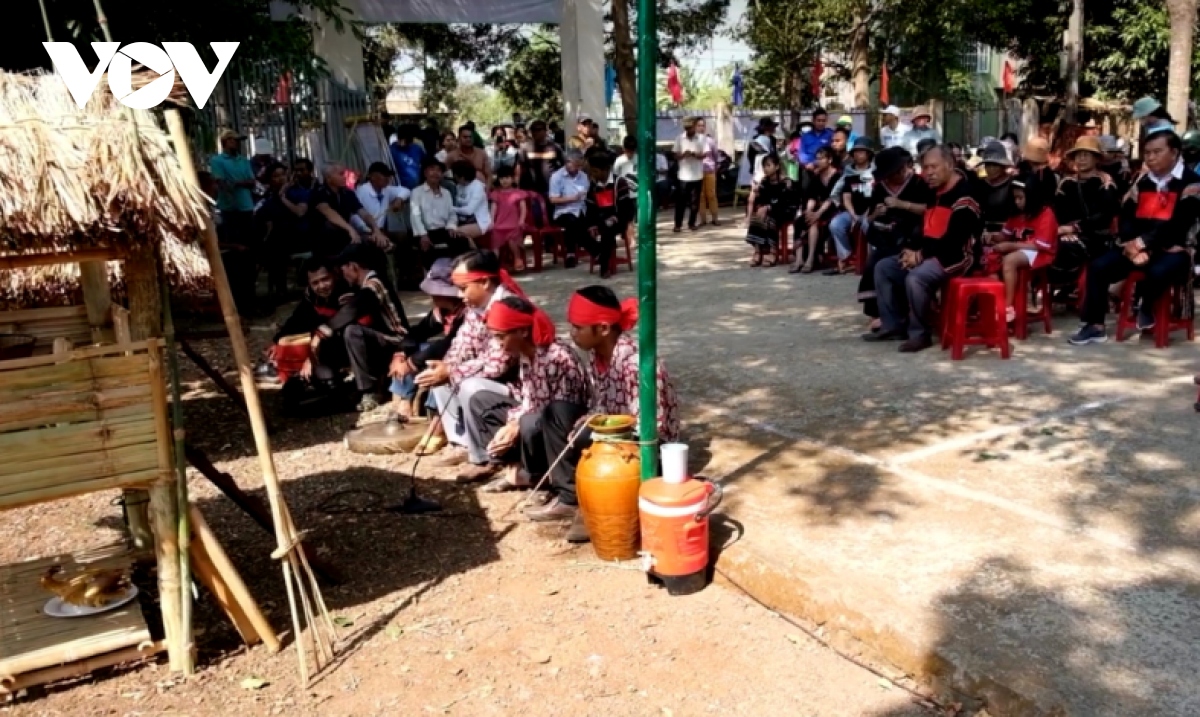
(647, 49)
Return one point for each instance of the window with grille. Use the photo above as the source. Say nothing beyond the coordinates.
(977, 58)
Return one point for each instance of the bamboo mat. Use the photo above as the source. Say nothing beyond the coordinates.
(31, 640)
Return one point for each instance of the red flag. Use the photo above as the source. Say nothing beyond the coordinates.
(283, 91)
(1009, 79)
(884, 98)
(817, 71)
(673, 85)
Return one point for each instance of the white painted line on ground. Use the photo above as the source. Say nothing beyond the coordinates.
(1043, 518)
(973, 438)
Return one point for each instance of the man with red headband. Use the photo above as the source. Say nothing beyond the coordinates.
(475, 360)
(552, 388)
(600, 325)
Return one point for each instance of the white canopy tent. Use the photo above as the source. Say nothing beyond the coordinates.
(581, 30)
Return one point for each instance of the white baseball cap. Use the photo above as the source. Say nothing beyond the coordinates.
(892, 110)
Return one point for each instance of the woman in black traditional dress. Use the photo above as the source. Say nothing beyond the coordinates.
(819, 208)
(772, 202)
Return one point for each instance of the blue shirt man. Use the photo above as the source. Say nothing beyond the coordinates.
(407, 155)
(820, 136)
(234, 175)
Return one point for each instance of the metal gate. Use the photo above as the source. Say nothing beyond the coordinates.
(287, 107)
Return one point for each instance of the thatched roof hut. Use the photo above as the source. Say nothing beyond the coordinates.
(72, 180)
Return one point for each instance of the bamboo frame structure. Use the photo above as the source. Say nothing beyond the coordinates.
(298, 574)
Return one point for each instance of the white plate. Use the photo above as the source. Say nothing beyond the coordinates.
(57, 607)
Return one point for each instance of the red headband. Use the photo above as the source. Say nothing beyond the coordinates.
(581, 311)
(502, 317)
(502, 276)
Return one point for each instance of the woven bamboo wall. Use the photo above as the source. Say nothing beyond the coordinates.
(89, 423)
(69, 322)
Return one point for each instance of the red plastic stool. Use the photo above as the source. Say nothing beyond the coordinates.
(1126, 317)
(860, 250)
(1164, 323)
(616, 261)
(947, 306)
(1040, 280)
(990, 330)
(784, 254)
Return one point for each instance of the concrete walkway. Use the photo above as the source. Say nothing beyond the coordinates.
(1022, 532)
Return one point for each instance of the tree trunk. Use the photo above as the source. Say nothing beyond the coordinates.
(1074, 60)
(860, 70)
(626, 64)
(1183, 20)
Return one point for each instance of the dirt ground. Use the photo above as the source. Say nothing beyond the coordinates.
(474, 612)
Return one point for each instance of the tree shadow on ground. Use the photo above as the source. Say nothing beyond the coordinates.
(377, 553)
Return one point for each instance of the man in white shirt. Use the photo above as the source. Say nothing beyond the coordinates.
(689, 153)
(434, 220)
(891, 134)
(626, 164)
(568, 189)
(382, 199)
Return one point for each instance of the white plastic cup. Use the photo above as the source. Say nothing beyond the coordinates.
(674, 462)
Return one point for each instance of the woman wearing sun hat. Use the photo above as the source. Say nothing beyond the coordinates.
(1087, 201)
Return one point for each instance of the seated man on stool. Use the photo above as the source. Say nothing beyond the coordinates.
(378, 328)
(552, 390)
(610, 207)
(906, 284)
(600, 325)
(324, 313)
(1159, 212)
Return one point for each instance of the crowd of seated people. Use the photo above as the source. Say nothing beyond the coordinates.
(926, 215)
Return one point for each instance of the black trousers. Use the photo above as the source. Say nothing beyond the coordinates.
(574, 232)
(1162, 271)
(370, 353)
(687, 198)
(602, 247)
(543, 437)
(445, 246)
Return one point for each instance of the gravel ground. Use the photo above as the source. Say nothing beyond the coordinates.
(472, 613)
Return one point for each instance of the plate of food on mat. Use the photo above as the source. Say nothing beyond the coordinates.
(88, 592)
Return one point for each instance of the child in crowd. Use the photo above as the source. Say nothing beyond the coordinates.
(1030, 237)
(509, 212)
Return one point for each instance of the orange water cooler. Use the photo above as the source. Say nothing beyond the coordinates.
(674, 511)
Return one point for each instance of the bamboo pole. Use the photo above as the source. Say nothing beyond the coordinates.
(285, 532)
(14, 684)
(145, 321)
(184, 532)
(221, 578)
(23, 261)
(164, 521)
(97, 297)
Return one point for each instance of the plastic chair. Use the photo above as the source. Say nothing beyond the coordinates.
(541, 228)
(861, 250)
(616, 261)
(989, 329)
(1040, 280)
(784, 256)
(1164, 323)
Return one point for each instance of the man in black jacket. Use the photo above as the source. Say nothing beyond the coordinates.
(328, 301)
(1159, 212)
(907, 283)
(429, 339)
(611, 206)
(377, 328)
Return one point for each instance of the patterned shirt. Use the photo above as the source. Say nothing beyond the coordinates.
(614, 389)
(474, 352)
(553, 374)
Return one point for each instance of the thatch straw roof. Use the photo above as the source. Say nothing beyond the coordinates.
(58, 284)
(74, 179)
